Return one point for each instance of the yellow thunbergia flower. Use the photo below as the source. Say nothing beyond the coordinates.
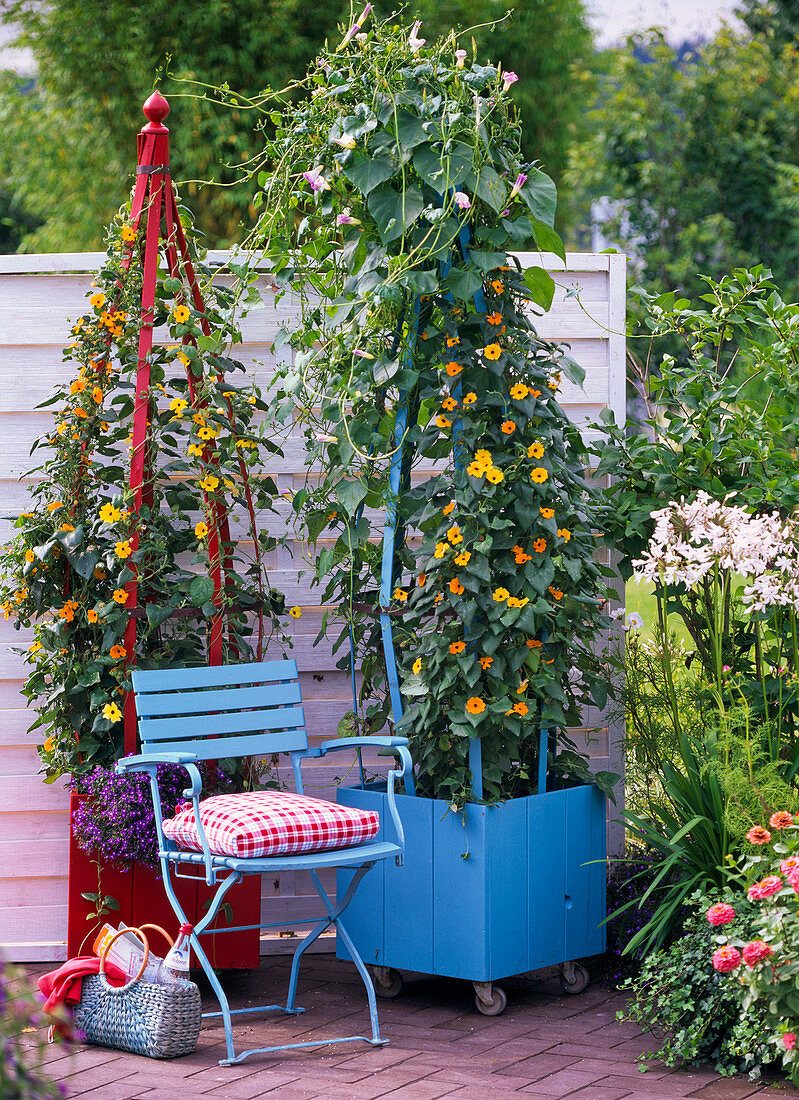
(454, 535)
(417, 666)
(535, 450)
(35, 647)
(547, 513)
(494, 475)
(440, 550)
(519, 391)
(443, 422)
(295, 612)
(470, 398)
(400, 594)
(475, 469)
(539, 475)
(111, 711)
(181, 314)
(109, 514)
(78, 386)
(449, 403)
(500, 595)
(448, 508)
(128, 234)
(463, 557)
(483, 456)
(201, 530)
(564, 534)
(207, 432)
(97, 300)
(30, 556)
(123, 549)
(492, 351)
(209, 483)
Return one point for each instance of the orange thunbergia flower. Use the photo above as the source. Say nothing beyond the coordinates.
(519, 391)
(441, 549)
(91, 616)
(533, 643)
(66, 527)
(497, 286)
(470, 398)
(453, 341)
(535, 450)
(539, 545)
(475, 705)
(521, 708)
(539, 475)
(500, 595)
(492, 351)
(30, 556)
(123, 549)
(118, 652)
(556, 593)
(455, 587)
(494, 318)
(463, 557)
(515, 601)
(454, 535)
(509, 427)
(99, 573)
(400, 594)
(448, 508)
(449, 403)
(522, 558)
(547, 513)
(97, 394)
(443, 422)
(81, 414)
(494, 475)
(439, 598)
(128, 233)
(486, 662)
(457, 647)
(564, 534)
(453, 368)
(420, 580)
(554, 382)
(417, 666)
(78, 386)
(535, 393)
(474, 469)
(120, 595)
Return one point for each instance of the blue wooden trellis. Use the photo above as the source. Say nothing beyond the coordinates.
(387, 573)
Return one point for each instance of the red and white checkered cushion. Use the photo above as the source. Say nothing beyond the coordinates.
(271, 823)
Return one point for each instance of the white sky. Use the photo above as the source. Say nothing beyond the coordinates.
(613, 19)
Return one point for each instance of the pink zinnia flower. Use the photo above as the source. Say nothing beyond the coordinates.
(521, 179)
(781, 820)
(793, 879)
(758, 835)
(461, 200)
(755, 952)
(721, 913)
(507, 80)
(767, 886)
(789, 864)
(316, 179)
(789, 1040)
(726, 959)
(460, 57)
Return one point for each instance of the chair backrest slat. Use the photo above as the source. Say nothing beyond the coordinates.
(217, 699)
(228, 710)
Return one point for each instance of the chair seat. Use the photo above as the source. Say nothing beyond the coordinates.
(340, 857)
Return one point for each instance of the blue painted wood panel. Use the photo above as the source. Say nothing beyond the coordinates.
(546, 838)
(508, 885)
(586, 874)
(359, 921)
(409, 889)
(460, 928)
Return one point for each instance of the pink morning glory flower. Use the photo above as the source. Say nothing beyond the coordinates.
(507, 80)
(521, 179)
(345, 218)
(460, 57)
(461, 200)
(316, 179)
(355, 28)
(414, 42)
(346, 141)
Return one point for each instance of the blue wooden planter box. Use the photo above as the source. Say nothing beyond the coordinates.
(530, 893)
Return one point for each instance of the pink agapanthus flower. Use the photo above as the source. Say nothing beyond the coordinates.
(755, 952)
(461, 200)
(767, 886)
(789, 1040)
(726, 959)
(460, 57)
(720, 914)
(507, 80)
(316, 179)
(521, 179)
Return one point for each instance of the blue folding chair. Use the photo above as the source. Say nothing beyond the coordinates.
(187, 715)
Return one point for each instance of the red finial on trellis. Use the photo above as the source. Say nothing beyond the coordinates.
(156, 109)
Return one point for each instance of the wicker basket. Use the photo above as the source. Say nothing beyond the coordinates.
(160, 1021)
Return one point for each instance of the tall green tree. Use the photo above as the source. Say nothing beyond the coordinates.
(700, 159)
(68, 150)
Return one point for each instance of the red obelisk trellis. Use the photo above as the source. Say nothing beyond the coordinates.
(154, 200)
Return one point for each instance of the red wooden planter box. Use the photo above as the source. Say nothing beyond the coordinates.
(142, 900)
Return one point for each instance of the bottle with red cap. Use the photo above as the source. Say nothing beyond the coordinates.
(176, 963)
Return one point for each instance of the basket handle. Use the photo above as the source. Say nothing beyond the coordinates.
(157, 928)
(137, 932)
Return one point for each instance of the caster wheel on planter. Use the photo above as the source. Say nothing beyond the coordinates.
(387, 981)
(574, 978)
(489, 999)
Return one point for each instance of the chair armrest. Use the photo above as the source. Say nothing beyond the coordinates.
(399, 745)
(149, 762)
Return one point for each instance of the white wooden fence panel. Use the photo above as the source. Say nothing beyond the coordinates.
(39, 297)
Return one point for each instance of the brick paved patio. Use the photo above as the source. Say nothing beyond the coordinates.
(546, 1046)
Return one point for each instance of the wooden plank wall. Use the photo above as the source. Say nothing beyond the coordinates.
(39, 295)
